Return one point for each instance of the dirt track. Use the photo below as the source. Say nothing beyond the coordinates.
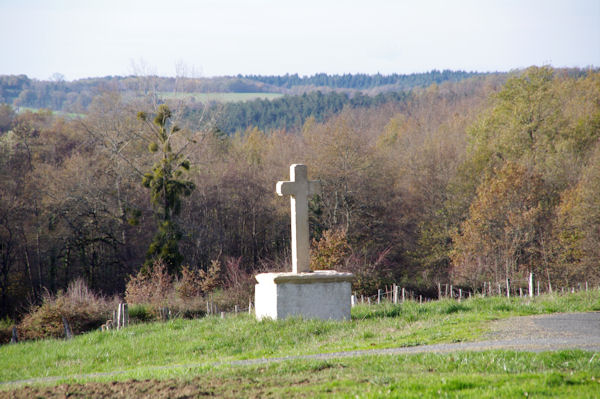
(531, 333)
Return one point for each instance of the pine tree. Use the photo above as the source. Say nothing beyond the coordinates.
(167, 186)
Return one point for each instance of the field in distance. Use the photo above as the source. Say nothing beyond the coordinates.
(218, 97)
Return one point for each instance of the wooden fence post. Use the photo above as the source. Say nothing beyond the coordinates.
(126, 312)
(530, 284)
(403, 295)
(439, 291)
(378, 296)
(120, 316)
(68, 332)
(395, 294)
(507, 287)
(15, 337)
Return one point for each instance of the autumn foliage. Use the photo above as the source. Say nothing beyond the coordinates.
(464, 182)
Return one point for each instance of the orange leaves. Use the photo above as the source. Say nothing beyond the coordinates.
(331, 251)
(501, 235)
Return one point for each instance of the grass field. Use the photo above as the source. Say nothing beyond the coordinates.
(141, 351)
(492, 374)
(218, 97)
(68, 115)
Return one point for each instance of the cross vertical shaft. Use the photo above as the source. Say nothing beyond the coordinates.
(299, 188)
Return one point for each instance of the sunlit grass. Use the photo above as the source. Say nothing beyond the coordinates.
(212, 339)
(489, 374)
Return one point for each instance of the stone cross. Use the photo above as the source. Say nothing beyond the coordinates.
(300, 188)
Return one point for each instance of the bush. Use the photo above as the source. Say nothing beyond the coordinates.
(189, 285)
(225, 285)
(151, 287)
(140, 313)
(331, 252)
(83, 309)
(369, 275)
(152, 290)
(194, 283)
(6, 326)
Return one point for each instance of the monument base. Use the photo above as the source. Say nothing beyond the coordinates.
(323, 294)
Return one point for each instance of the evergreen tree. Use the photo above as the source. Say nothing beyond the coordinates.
(167, 186)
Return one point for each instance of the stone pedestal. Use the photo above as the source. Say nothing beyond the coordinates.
(323, 294)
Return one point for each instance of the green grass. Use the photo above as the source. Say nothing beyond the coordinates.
(139, 349)
(68, 115)
(489, 374)
(224, 97)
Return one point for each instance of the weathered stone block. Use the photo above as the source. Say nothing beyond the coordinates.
(321, 294)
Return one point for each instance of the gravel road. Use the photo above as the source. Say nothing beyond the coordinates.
(525, 333)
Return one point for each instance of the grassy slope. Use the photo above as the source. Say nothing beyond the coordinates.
(139, 349)
(492, 374)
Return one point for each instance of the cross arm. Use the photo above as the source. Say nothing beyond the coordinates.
(285, 188)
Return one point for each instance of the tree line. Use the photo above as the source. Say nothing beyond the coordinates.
(76, 96)
(463, 182)
(361, 81)
(289, 112)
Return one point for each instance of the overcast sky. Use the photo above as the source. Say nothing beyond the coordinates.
(90, 38)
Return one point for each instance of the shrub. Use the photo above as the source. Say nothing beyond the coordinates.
(152, 290)
(194, 283)
(6, 326)
(225, 285)
(210, 279)
(83, 309)
(369, 274)
(190, 284)
(331, 252)
(150, 287)
(140, 313)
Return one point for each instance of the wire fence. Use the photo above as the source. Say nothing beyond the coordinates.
(523, 287)
(394, 293)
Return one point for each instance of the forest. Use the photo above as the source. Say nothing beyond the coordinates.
(76, 96)
(463, 181)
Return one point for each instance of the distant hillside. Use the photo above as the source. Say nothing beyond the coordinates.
(76, 96)
(290, 112)
(363, 81)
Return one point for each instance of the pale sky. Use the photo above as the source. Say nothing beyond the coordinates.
(92, 38)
